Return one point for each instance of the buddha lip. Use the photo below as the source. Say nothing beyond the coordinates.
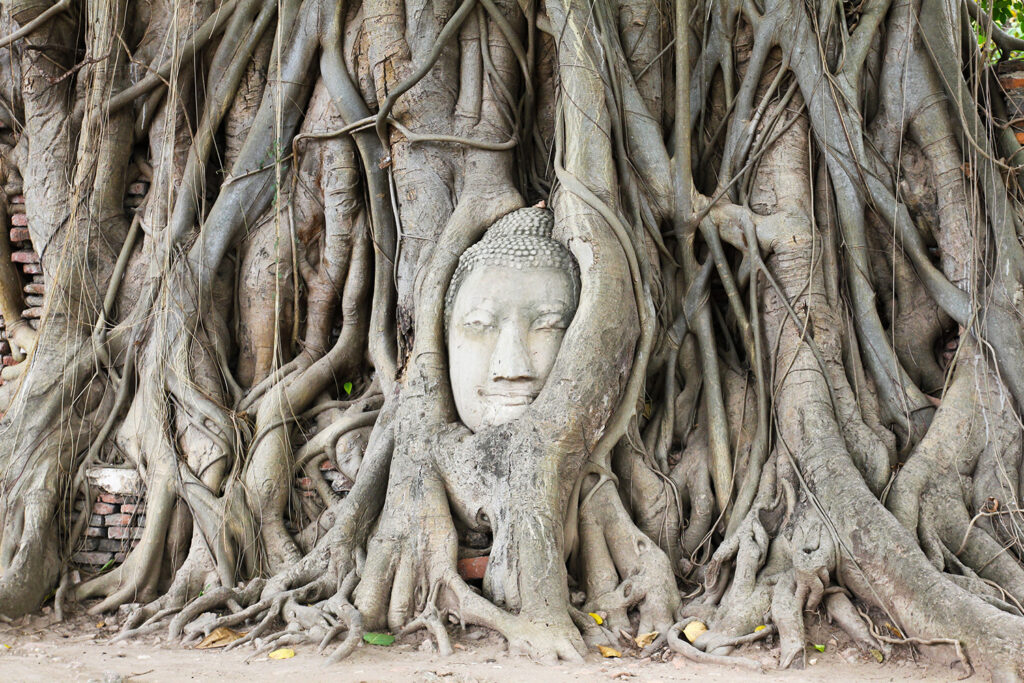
(512, 397)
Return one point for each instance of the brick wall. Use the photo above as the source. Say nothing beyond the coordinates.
(117, 516)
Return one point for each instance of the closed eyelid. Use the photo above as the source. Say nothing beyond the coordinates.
(478, 317)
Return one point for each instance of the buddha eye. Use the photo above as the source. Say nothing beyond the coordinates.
(477, 323)
(550, 321)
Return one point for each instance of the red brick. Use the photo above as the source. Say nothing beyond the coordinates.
(112, 498)
(327, 465)
(116, 520)
(32, 269)
(19, 220)
(95, 559)
(110, 545)
(124, 532)
(8, 361)
(35, 288)
(103, 509)
(1011, 82)
(19, 235)
(132, 508)
(33, 312)
(304, 483)
(96, 531)
(24, 256)
(18, 199)
(473, 567)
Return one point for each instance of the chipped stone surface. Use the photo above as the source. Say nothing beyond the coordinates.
(118, 480)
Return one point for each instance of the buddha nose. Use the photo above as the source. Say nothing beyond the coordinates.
(510, 360)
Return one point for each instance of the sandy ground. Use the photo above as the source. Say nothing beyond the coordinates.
(38, 649)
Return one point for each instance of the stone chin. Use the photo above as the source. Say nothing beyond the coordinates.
(499, 411)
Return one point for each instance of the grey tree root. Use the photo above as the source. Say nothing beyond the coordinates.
(792, 382)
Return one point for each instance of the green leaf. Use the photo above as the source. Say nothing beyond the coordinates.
(819, 648)
(383, 639)
(347, 386)
(108, 565)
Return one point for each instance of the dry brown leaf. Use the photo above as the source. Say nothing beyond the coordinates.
(645, 639)
(219, 637)
(608, 651)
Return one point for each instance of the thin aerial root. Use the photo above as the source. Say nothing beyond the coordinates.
(927, 642)
(683, 647)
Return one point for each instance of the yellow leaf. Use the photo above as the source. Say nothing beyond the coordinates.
(877, 655)
(694, 629)
(760, 628)
(219, 637)
(645, 639)
(282, 653)
(596, 617)
(895, 631)
(608, 651)
(101, 624)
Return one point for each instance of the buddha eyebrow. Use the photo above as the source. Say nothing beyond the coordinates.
(480, 310)
(552, 307)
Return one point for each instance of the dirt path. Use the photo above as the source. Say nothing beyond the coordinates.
(38, 649)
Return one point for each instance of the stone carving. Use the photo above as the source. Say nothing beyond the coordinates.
(509, 303)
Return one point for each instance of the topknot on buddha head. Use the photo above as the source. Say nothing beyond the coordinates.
(520, 239)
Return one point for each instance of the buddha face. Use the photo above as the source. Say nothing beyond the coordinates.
(505, 330)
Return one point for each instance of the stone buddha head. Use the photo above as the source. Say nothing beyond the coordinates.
(509, 303)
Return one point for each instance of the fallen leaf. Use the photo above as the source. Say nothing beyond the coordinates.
(758, 629)
(219, 637)
(877, 655)
(645, 639)
(382, 639)
(282, 653)
(596, 617)
(101, 624)
(694, 629)
(819, 648)
(895, 631)
(608, 651)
